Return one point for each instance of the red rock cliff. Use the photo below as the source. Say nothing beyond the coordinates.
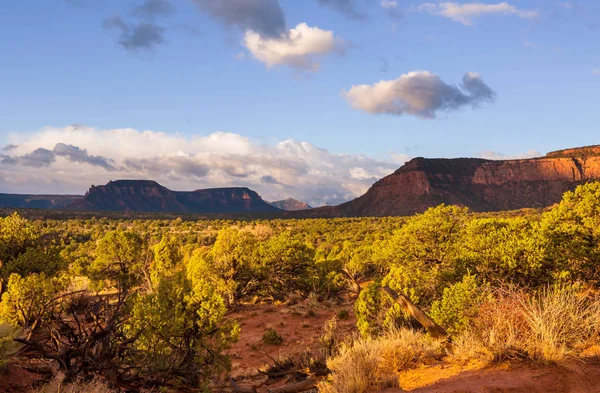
(481, 185)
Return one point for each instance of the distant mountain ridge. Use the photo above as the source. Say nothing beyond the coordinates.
(290, 204)
(148, 196)
(482, 185)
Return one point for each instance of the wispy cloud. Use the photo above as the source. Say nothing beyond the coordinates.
(154, 8)
(391, 8)
(137, 36)
(346, 7)
(264, 17)
(465, 13)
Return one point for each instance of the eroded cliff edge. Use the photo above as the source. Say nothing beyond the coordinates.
(482, 185)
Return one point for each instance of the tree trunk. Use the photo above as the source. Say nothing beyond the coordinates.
(429, 324)
(307, 384)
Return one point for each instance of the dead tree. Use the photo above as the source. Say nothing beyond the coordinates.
(84, 337)
(425, 320)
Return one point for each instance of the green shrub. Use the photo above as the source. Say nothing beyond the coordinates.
(458, 305)
(271, 337)
(343, 314)
(375, 312)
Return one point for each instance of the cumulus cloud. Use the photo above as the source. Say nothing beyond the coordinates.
(262, 16)
(136, 36)
(42, 157)
(466, 12)
(79, 155)
(418, 93)
(346, 7)
(267, 37)
(70, 159)
(492, 155)
(299, 48)
(37, 158)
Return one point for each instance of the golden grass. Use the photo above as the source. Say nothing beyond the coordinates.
(370, 364)
(57, 385)
(554, 326)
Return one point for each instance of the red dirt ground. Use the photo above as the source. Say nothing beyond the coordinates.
(514, 379)
(301, 328)
(16, 379)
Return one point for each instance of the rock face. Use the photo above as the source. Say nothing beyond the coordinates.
(481, 185)
(290, 204)
(37, 201)
(149, 196)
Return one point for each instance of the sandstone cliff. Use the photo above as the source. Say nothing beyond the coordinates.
(481, 185)
(149, 196)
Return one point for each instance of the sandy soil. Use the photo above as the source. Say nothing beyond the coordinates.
(516, 378)
(300, 325)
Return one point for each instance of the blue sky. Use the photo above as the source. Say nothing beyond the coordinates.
(62, 64)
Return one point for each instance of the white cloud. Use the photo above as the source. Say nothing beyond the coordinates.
(391, 8)
(492, 155)
(418, 93)
(465, 13)
(596, 71)
(286, 169)
(299, 48)
(389, 4)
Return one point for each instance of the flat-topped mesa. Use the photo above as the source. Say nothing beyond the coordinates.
(482, 185)
(578, 152)
(149, 196)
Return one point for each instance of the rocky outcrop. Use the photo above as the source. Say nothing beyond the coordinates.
(290, 204)
(149, 196)
(481, 185)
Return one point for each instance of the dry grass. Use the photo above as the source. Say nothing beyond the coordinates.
(554, 326)
(370, 364)
(562, 324)
(57, 385)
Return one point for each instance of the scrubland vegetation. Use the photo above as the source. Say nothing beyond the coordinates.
(132, 304)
